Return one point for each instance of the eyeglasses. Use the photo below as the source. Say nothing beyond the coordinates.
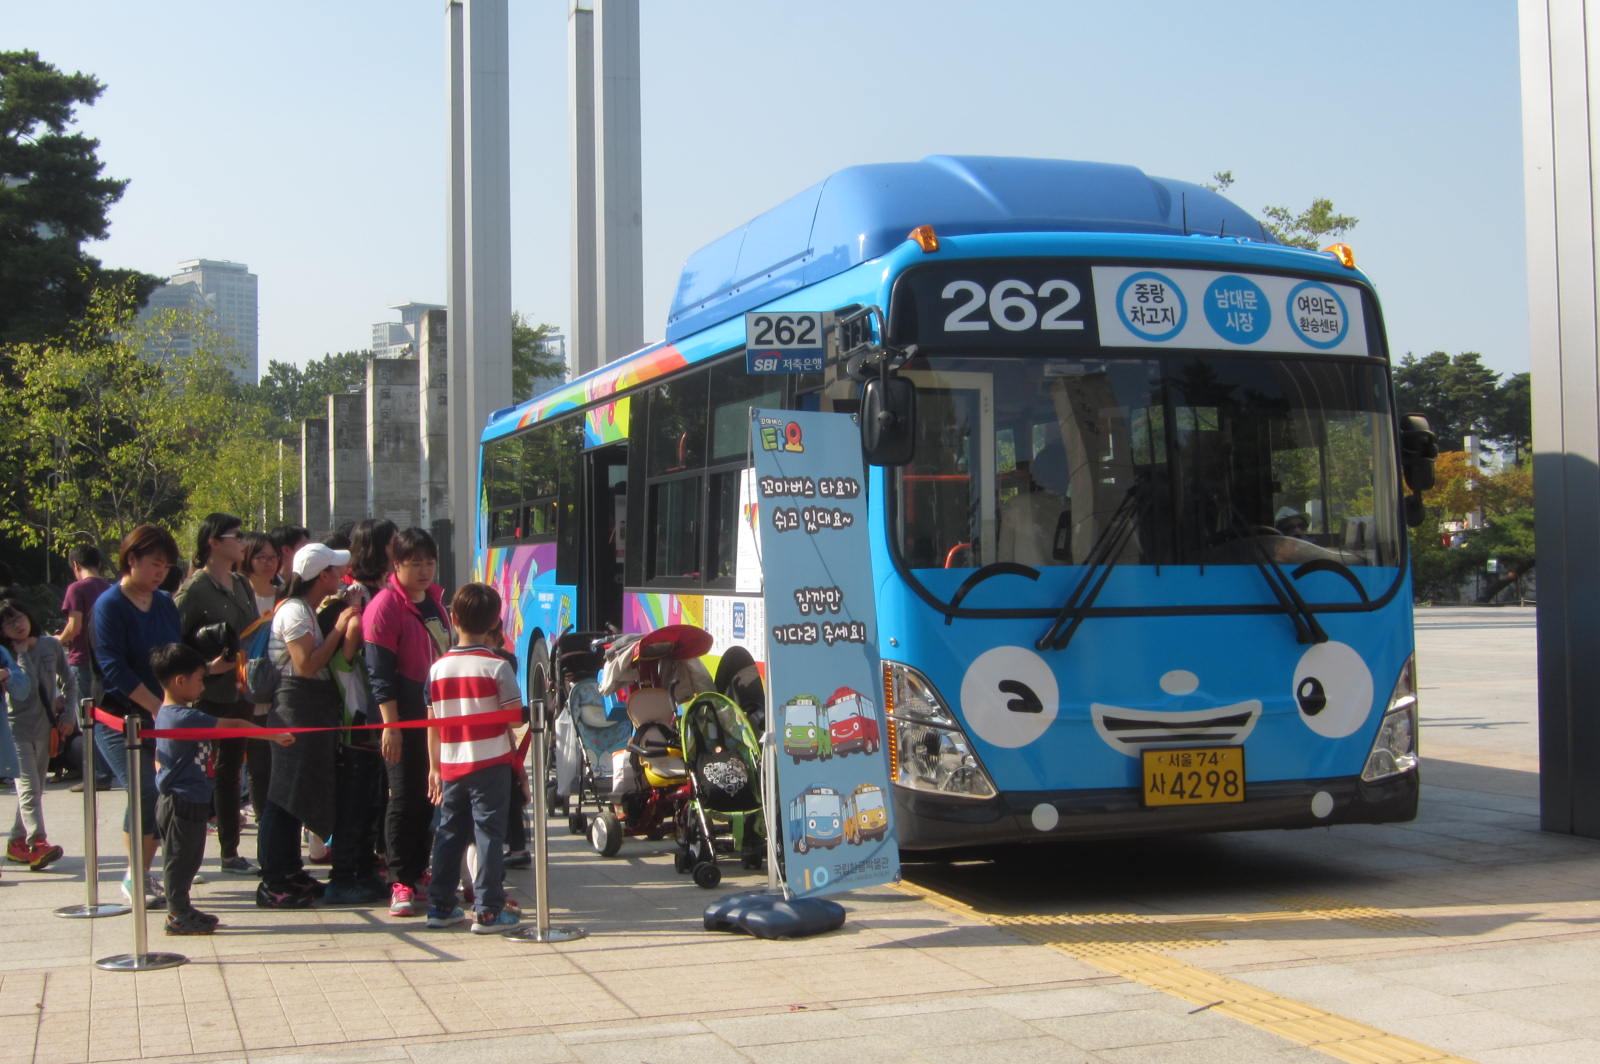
(265, 557)
(228, 535)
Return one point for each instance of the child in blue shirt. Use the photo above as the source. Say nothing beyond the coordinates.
(183, 790)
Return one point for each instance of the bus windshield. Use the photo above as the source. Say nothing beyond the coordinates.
(1182, 459)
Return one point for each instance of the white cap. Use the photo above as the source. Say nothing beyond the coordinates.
(312, 558)
(1287, 511)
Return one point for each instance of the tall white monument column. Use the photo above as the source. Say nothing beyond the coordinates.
(620, 207)
(583, 351)
(1562, 190)
(480, 247)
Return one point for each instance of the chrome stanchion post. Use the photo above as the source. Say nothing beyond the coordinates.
(91, 829)
(140, 960)
(541, 931)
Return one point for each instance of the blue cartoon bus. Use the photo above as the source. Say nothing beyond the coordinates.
(1138, 497)
(816, 819)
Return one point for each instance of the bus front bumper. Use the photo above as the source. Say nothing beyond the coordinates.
(931, 822)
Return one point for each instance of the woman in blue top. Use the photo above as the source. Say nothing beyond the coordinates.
(128, 621)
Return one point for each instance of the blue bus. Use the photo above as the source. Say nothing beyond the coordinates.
(1138, 496)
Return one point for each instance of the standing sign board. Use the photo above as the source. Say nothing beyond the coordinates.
(834, 809)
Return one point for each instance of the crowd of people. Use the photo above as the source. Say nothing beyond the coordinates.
(304, 642)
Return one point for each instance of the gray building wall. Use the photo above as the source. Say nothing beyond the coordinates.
(393, 441)
(313, 509)
(347, 460)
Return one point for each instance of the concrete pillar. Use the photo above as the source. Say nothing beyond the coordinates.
(619, 166)
(313, 509)
(433, 393)
(480, 245)
(394, 445)
(347, 460)
(287, 504)
(1562, 187)
(583, 351)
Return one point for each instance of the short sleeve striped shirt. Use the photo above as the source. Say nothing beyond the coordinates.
(466, 681)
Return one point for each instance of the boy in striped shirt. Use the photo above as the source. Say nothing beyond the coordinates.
(472, 768)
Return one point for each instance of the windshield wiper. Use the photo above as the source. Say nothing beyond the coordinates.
(1307, 629)
(1102, 559)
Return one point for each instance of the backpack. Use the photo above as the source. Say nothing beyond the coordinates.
(259, 675)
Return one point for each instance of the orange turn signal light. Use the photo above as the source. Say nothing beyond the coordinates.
(925, 237)
(1344, 253)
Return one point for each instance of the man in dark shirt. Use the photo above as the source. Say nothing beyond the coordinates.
(87, 585)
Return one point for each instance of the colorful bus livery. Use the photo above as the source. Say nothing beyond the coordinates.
(1152, 496)
(852, 724)
(816, 819)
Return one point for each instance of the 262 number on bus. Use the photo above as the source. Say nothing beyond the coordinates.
(1013, 305)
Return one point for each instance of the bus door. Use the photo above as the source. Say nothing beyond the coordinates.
(603, 517)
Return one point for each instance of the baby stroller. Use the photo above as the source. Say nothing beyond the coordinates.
(724, 758)
(571, 694)
(649, 780)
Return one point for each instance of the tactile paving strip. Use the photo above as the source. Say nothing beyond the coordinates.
(1130, 946)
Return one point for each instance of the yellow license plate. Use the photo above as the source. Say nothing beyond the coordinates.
(1200, 775)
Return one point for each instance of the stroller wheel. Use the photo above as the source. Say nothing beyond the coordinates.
(577, 823)
(605, 834)
(682, 860)
(707, 875)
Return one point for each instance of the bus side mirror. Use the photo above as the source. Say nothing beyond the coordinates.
(888, 420)
(1418, 449)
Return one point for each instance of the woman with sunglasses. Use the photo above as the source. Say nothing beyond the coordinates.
(216, 592)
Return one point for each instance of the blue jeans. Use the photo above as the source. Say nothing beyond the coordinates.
(277, 845)
(473, 809)
(84, 675)
(114, 752)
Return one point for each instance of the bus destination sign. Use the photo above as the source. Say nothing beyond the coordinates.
(1068, 305)
(784, 342)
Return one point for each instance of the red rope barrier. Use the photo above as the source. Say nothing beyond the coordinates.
(503, 716)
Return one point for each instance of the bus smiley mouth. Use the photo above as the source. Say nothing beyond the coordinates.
(1129, 730)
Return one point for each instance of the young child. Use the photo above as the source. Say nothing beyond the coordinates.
(472, 768)
(183, 802)
(33, 716)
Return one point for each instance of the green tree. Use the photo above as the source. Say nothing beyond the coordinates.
(1510, 422)
(534, 368)
(1460, 395)
(53, 197)
(101, 438)
(1505, 502)
(293, 393)
(1314, 228)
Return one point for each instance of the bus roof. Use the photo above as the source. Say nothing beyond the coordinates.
(862, 212)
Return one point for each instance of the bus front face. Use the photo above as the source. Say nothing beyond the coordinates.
(1110, 552)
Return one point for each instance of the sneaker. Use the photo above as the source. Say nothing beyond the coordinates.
(199, 877)
(19, 852)
(402, 902)
(303, 881)
(154, 896)
(42, 855)
(511, 905)
(282, 897)
(239, 866)
(449, 919)
(487, 924)
(191, 923)
(355, 892)
(518, 859)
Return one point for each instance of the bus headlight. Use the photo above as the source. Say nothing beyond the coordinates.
(1395, 749)
(928, 751)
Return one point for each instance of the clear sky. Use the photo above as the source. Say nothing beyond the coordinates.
(307, 138)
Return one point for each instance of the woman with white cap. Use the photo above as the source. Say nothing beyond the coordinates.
(302, 791)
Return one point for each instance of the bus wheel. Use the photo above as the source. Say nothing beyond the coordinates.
(605, 834)
(707, 875)
(802, 845)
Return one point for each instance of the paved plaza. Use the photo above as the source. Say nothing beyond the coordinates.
(1466, 935)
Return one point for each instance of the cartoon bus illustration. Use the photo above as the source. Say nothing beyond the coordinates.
(852, 724)
(816, 819)
(805, 729)
(866, 815)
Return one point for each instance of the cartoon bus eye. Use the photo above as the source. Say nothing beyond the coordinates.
(1312, 698)
(1009, 696)
(1333, 690)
